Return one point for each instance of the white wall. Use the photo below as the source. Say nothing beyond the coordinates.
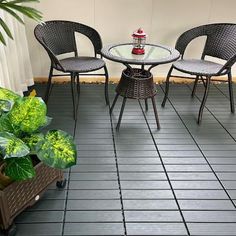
(115, 20)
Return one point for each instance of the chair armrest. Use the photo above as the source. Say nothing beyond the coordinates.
(227, 66)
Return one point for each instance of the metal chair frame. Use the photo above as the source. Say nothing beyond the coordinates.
(220, 43)
(58, 37)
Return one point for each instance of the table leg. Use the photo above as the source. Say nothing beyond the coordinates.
(121, 113)
(114, 102)
(155, 112)
(146, 105)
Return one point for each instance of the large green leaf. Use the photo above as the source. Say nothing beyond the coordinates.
(6, 94)
(5, 106)
(19, 168)
(5, 124)
(58, 150)
(28, 114)
(11, 146)
(33, 141)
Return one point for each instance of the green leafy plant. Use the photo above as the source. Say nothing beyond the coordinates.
(14, 7)
(21, 121)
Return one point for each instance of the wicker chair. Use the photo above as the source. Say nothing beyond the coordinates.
(220, 43)
(58, 37)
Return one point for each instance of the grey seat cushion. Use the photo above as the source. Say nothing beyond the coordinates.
(82, 64)
(198, 67)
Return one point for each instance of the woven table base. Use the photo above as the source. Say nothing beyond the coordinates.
(136, 84)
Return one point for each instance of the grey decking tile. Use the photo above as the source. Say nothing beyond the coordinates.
(144, 184)
(210, 216)
(141, 168)
(96, 161)
(232, 194)
(226, 175)
(152, 216)
(50, 205)
(91, 153)
(93, 185)
(186, 160)
(201, 194)
(219, 153)
(206, 205)
(196, 184)
(93, 168)
(94, 229)
(55, 194)
(93, 194)
(229, 184)
(212, 228)
(133, 147)
(180, 153)
(222, 160)
(192, 176)
(147, 194)
(156, 229)
(225, 168)
(190, 168)
(142, 176)
(141, 160)
(136, 153)
(94, 216)
(84, 147)
(93, 205)
(93, 176)
(150, 204)
(39, 229)
(40, 217)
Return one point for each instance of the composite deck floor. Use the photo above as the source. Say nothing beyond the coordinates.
(180, 180)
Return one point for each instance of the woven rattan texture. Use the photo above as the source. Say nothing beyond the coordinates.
(82, 64)
(220, 43)
(59, 36)
(198, 67)
(18, 194)
(136, 84)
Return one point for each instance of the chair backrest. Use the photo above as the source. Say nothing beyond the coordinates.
(58, 37)
(220, 41)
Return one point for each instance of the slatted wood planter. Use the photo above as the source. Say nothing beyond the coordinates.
(17, 196)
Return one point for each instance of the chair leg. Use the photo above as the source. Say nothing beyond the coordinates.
(121, 113)
(167, 87)
(155, 112)
(77, 84)
(106, 86)
(146, 105)
(49, 85)
(195, 86)
(72, 83)
(208, 79)
(231, 94)
(78, 91)
(114, 102)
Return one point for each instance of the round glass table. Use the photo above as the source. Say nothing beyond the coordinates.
(137, 83)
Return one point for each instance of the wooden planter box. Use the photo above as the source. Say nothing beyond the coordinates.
(17, 196)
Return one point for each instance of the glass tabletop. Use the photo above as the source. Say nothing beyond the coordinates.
(154, 54)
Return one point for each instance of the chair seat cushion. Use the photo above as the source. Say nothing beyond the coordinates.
(198, 67)
(82, 64)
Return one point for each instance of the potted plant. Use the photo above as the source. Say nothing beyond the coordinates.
(29, 159)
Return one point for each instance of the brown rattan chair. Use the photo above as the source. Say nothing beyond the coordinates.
(220, 43)
(58, 38)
